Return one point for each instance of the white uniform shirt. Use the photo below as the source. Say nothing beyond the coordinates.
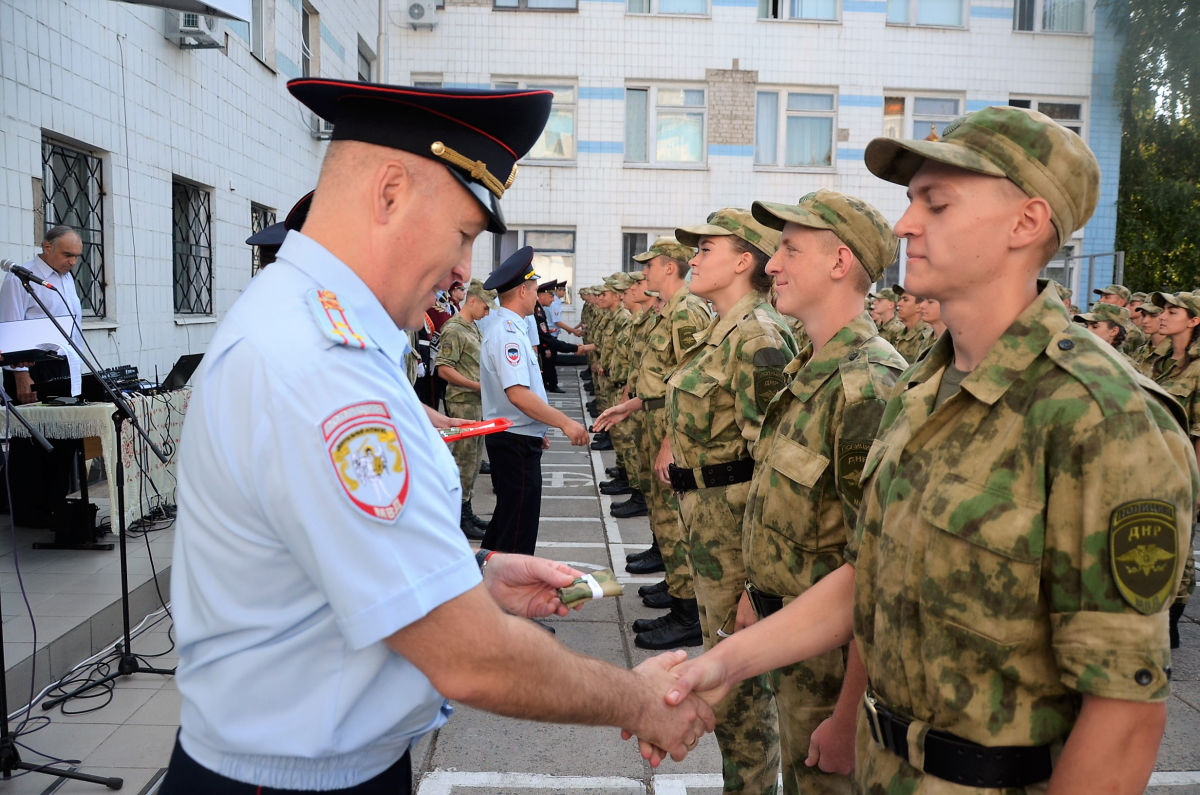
(554, 315)
(507, 359)
(15, 303)
(318, 514)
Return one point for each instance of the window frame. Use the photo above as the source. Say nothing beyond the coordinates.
(1038, 19)
(261, 216)
(914, 7)
(89, 273)
(654, 9)
(310, 40)
(549, 84)
(200, 251)
(523, 5)
(764, 5)
(781, 116)
(910, 116)
(652, 90)
(504, 245)
(1035, 102)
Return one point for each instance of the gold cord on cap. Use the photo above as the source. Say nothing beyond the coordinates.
(476, 168)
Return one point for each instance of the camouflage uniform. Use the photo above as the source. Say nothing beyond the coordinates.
(893, 330)
(995, 573)
(801, 510)
(715, 402)
(618, 366)
(639, 333)
(459, 348)
(912, 341)
(673, 334)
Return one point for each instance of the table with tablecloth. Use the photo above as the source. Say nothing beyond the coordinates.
(148, 481)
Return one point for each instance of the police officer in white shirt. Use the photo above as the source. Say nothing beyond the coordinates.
(326, 602)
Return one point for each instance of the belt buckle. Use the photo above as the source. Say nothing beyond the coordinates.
(873, 718)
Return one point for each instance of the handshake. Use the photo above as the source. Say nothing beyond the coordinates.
(677, 710)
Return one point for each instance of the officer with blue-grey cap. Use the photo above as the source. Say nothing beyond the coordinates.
(326, 601)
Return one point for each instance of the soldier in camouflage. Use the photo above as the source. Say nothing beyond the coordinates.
(1108, 322)
(458, 365)
(917, 336)
(883, 312)
(715, 404)
(1012, 564)
(805, 494)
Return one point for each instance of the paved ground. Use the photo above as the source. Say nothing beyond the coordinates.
(479, 753)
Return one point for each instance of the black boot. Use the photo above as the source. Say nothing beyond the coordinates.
(479, 521)
(615, 472)
(467, 524)
(659, 600)
(602, 441)
(649, 564)
(634, 506)
(658, 587)
(484, 467)
(681, 627)
(650, 624)
(615, 486)
(650, 550)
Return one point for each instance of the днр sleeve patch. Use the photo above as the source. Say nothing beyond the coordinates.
(1143, 545)
(767, 384)
(512, 353)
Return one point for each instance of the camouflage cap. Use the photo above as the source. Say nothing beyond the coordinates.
(1109, 312)
(619, 282)
(666, 247)
(1139, 296)
(1114, 289)
(1039, 155)
(1151, 309)
(637, 276)
(653, 293)
(1064, 293)
(887, 294)
(1188, 301)
(736, 222)
(475, 288)
(856, 223)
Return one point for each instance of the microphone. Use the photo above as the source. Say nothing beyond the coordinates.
(24, 274)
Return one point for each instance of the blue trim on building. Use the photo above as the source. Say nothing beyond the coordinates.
(860, 100)
(730, 150)
(601, 147)
(328, 37)
(979, 104)
(735, 3)
(1104, 136)
(467, 85)
(865, 6)
(601, 92)
(991, 12)
(855, 155)
(286, 65)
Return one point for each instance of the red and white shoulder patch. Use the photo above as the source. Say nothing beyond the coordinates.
(368, 459)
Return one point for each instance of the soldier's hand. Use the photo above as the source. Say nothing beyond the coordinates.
(610, 417)
(703, 676)
(663, 462)
(668, 729)
(582, 349)
(575, 432)
(831, 747)
(527, 586)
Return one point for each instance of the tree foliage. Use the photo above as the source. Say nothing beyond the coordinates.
(1158, 85)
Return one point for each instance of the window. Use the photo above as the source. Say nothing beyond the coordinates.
(554, 252)
(941, 13)
(817, 10)
(191, 238)
(1066, 112)
(917, 117)
(260, 218)
(366, 62)
(633, 243)
(798, 136)
(1050, 16)
(664, 125)
(426, 80)
(310, 41)
(72, 195)
(537, 5)
(694, 7)
(254, 32)
(557, 141)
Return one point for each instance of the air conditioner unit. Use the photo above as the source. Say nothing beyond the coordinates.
(192, 31)
(421, 13)
(319, 128)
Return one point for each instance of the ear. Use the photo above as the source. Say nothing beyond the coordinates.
(843, 264)
(391, 187)
(1032, 223)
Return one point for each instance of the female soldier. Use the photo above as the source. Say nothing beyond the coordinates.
(1179, 374)
(715, 403)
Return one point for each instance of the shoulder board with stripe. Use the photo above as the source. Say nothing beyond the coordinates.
(337, 323)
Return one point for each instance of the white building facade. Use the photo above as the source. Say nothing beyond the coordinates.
(666, 110)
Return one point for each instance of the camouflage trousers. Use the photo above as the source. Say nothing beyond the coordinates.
(747, 729)
(805, 694)
(624, 439)
(1188, 584)
(665, 521)
(467, 452)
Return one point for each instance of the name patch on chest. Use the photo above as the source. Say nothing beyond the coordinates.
(1143, 546)
(368, 459)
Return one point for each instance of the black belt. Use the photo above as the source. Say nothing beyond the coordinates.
(956, 760)
(650, 404)
(712, 475)
(764, 603)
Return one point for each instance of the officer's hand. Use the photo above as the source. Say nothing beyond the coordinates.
(745, 613)
(831, 747)
(440, 420)
(528, 586)
(575, 432)
(610, 417)
(667, 729)
(663, 462)
(24, 386)
(582, 349)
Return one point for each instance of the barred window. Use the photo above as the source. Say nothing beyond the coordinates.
(72, 195)
(260, 218)
(191, 218)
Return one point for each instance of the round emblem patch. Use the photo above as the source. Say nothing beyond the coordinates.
(368, 459)
(512, 353)
(1143, 547)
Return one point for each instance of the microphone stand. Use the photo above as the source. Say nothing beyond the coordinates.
(10, 757)
(129, 663)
